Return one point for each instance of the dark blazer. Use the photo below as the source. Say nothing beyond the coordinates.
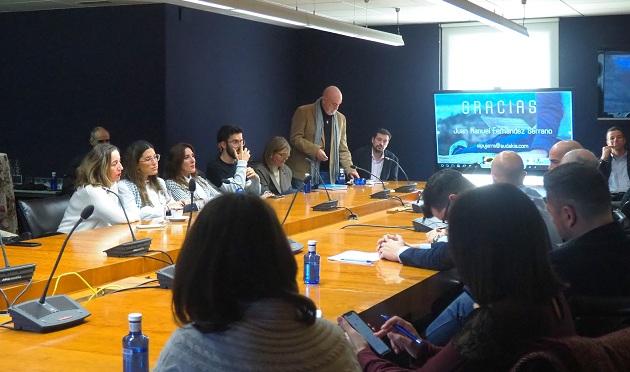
(435, 258)
(362, 157)
(268, 182)
(596, 263)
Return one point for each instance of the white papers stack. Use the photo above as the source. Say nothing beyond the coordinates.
(356, 257)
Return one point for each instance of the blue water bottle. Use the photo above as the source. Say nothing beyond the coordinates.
(311, 264)
(53, 181)
(307, 183)
(135, 346)
(341, 178)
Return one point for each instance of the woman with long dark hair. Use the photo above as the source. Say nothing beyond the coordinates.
(502, 257)
(237, 301)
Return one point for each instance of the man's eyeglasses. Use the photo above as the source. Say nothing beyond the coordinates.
(236, 142)
(149, 159)
(103, 140)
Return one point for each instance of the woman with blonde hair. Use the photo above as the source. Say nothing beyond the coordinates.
(97, 175)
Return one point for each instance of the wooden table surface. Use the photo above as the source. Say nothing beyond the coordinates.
(96, 344)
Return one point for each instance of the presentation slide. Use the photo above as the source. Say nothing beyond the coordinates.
(472, 127)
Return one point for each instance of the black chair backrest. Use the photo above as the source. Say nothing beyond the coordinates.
(41, 217)
(597, 316)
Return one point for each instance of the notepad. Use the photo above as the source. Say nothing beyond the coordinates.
(356, 257)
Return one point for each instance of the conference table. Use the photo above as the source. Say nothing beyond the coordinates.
(370, 289)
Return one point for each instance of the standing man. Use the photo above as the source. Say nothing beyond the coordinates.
(373, 157)
(614, 163)
(318, 132)
(232, 155)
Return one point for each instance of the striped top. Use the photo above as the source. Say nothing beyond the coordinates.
(269, 338)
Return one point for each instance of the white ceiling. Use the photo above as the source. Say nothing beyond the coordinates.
(382, 12)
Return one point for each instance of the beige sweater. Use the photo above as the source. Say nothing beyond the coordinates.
(267, 339)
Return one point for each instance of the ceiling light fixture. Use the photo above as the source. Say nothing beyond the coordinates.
(488, 17)
(294, 17)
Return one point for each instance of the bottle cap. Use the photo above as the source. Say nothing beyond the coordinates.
(134, 317)
(311, 245)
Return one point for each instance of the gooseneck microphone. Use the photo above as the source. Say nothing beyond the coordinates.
(410, 187)
(136, 247)
(327, 205)
(13, 274)
(295, 246)
(383, 194)
(192, 186)
(55, 312)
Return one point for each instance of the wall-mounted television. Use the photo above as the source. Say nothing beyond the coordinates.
(471, 127)
(614, 85)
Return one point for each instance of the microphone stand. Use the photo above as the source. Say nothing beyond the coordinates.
(410, 187)
(56, 312)
(327, 205)
(192, 186)
(133, 248)
(383, 194)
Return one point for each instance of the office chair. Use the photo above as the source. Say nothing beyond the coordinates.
(41, 217)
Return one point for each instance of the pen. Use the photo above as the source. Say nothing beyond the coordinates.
(368, 262)
(404, 331)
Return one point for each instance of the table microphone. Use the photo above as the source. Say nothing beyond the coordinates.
(166, 275)
(136, 247)
(383, 194)
(411, 187)
(55, 312)
(192, 186)
(13, 274)
(327, 205)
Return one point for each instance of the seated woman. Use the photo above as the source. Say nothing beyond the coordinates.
(142, 188)
(275, 175)
(502, 257)
(181, 168)
(100, 169)
(237, 301)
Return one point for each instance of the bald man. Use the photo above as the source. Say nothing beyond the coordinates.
(559, 149)
(581, 156)
(318, 132)
(508, 167)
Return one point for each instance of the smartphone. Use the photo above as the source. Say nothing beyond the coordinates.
(364, 330)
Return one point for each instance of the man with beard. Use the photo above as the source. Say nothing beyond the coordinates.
(374, 158)
(318, 140)
(232, 154)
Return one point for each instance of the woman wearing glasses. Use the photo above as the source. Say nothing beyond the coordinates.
(275, 175)
(181, 167)
(99, 172)
(142, 188)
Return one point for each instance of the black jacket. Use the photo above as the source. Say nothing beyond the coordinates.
(362, 157)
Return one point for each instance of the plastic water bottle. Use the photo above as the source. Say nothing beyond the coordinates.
(341, 178)
(53, 181)
(135, 346)
(307, 183)
(311, 264)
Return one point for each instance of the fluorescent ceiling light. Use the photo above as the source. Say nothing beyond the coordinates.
(291, 16)
(488, 17)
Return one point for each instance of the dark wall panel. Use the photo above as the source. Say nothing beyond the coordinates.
(580, 39)
(224, 70)
(382, 86)
(65, 71)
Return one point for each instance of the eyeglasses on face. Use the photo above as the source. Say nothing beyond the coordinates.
(103, 140)
(149, 159)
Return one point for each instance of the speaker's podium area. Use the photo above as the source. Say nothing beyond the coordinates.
(109, 288)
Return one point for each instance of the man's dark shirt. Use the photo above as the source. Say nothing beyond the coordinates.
(362, 157)
(436, 258)
(596, 263)
(218, 170)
